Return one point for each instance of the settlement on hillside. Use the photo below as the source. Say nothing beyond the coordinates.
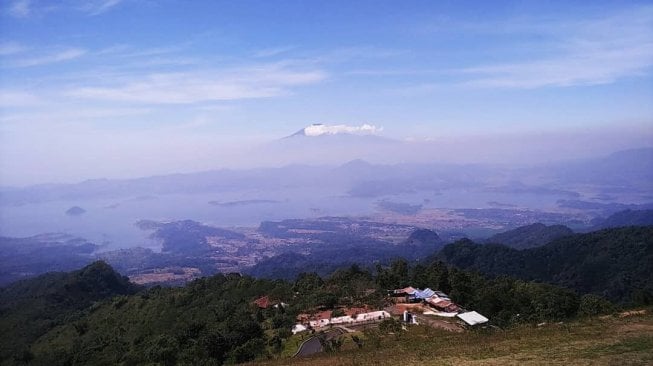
(405, 303)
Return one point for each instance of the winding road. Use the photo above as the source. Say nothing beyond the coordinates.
(312, 345)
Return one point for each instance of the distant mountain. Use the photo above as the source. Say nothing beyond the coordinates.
(630, 169)
(75, 211)
(605, 208)
(224, 180)
(626, 218)
(530, 236)
(399, 207)
(615, 263)
(423, 237)
(330, 147)
(320, 129)
(39, 304)
(322, 156)
(27, 257)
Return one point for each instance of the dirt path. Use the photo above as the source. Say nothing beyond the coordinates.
(439, 323)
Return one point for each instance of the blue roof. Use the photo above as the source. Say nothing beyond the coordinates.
(424, 294)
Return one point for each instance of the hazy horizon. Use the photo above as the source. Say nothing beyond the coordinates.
(523, 153)
(208, 182)
(124, 89)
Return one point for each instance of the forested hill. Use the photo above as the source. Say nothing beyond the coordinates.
(29, 308)
(626, 218)
(212, 321)
(615, 263)
(530, 236)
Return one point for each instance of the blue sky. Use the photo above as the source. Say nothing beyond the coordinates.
(124, 82)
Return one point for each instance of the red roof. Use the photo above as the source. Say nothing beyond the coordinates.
(322, 315)
(443, 304)
(354, 311)
(303, 317)
(263, 302)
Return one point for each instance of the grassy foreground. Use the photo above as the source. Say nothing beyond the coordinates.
(597, 341)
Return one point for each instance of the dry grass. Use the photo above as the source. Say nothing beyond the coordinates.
(607, 341)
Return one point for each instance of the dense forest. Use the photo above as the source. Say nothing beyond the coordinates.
(30, 308)
(530, 236)
(614, 263)
(98, 319)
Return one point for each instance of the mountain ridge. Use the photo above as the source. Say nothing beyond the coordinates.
(530, 236)
(615, 263)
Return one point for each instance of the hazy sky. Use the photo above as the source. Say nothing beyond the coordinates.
(117, 88)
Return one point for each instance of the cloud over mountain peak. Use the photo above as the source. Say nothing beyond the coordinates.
(319, 129)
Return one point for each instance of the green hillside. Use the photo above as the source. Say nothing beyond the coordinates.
(30, 308)
(612, 340)
(614, 263)
(95, 317)
(530, 236)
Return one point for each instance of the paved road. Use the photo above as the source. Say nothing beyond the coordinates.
(313, 346)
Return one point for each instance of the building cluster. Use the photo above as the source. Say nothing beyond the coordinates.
(436, 299)
(351, 317)
(409, 302)
(438, 303)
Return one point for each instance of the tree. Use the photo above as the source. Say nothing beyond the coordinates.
(163, 349)
(308, 283)
(438, 277)
(399, 270)
(591, 305)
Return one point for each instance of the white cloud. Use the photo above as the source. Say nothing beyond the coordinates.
(271, 52)
(20, 8)
(320, 129)
(30, 8)
(198, 86)
(59, 56)
(97, 7)
(15, 98)
(589, 52)
(10, 48)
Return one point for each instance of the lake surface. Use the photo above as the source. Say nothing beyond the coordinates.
(110, 222)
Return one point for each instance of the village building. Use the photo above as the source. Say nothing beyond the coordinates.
(472, 318)
(324, 318)
(406, 294)
(263, 302)
(439, 303)
(298, 328)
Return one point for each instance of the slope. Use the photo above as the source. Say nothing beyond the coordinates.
(615, 263)
(530, 236)
(29, 308)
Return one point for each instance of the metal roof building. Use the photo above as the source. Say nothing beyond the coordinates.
(473, 318)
